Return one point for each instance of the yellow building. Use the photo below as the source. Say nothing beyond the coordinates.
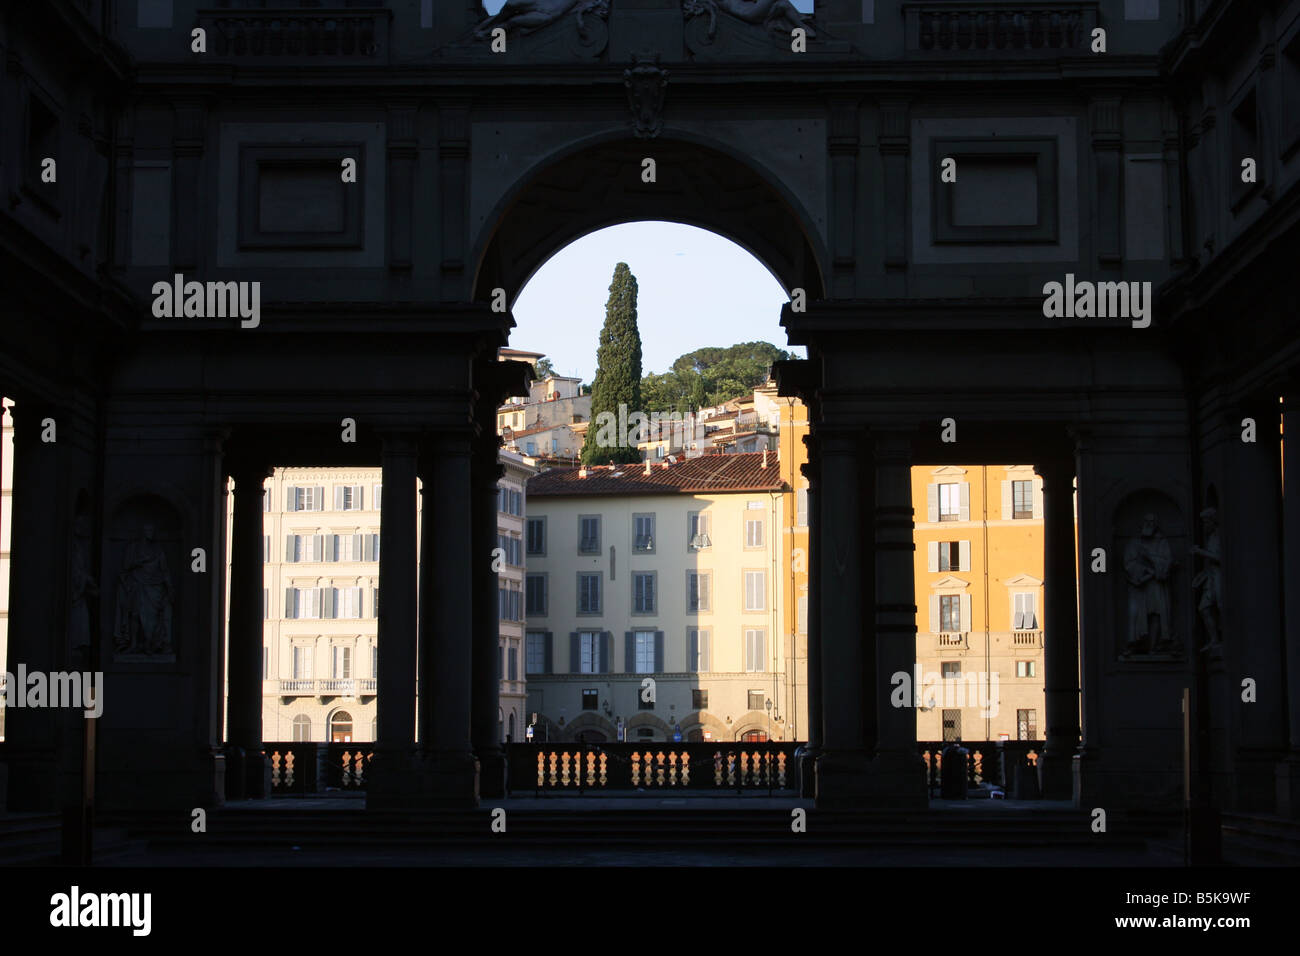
(979, 599)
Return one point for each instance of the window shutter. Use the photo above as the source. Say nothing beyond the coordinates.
(659, 652)
(548, 663)
(932, 502)
(606, 651)
(1018, 620)
(963, 550)
(356, 547)
(575, 652)
(1008, 505)
(934, 614)
(338, 497)
(289, 499)
(965, 501)
(629, 652)
(706, 657)
(319, 547)
(693, 650)
(1031, 611)
(1038, 499)
(330, 598)
(288, 547)
(966, 622)
(760, 651)
(650, 593)
(704, 592)
(320, 497)
(358, 497)
(932, 556)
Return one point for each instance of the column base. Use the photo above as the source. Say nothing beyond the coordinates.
(1287, 776)
(410, 780)
(491, 772)
(452, 779)
(1056, 776)
(1112, 782)
(807, 771)
(852, 779)
(247, 774)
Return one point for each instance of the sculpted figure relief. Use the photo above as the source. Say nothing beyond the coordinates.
(1147, 563)
(1210, 580)
(528, 16)
(779, 16)
(81, 585)
(143, 624)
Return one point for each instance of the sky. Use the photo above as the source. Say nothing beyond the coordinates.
(694, 289)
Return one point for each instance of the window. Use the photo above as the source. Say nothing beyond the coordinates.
(512, 660)
(300, 603)
(1025, 612)
(950, 670)
(801, 508)
(1026, 668)
(697, 591)
(310, 498)
(1026, 725)
(512, 550)
(346, 602)
(949, 556)
(589, 652)
(374, 602)
(698, 527)
(266, 662)
(755, 590)
(374, 660)
(754, 737)
(949, 612)
(378, 497)
(342, 669)
(755, 658)
(697, 649)
(266, 499)
(753, 532)
(951, 725)
(516, 502)
(590, 698)
(302, 669)
(1022, 497)
(536, 597)
(510, 602)
(588, 592)
(535, 653)
(644, 651)
(949, 502)
(755, 700)
(341, 727)
(530, 449)
(699, 699)
(643, 533)
(536, 535)
(266, 604)
(266, 548)
(589, 534)
(301, 729)
(347, 497)
(643, 592)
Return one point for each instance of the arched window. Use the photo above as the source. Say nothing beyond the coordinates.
(341, 727)
(591, 737)
(754, 737)
(645, 733)
(301, 728)
(510, 727)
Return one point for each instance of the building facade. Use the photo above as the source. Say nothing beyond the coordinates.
(667, 573)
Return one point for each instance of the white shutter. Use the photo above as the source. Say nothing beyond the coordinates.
(965, 501)
(1038, 498)
(338, 497)
(290, 498)
(1008, 506)
(932, 556)
(963, 548)
(358, 497)
(1018, 616)
(320, 497)
(965, 613)
(934, 613)
(932, 502)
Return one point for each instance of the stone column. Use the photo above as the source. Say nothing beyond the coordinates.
(1060, 631)
(446, 645)
(246, 767)
(1288, 771)
(842, 767)
(393, 782)
(897, 768)
(486, 694)
(812, 471)
(39, 532)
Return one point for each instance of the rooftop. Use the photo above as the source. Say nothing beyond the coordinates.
(703, 475)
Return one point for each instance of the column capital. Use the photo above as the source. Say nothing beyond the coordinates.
(839, 439)
(892, 445)
(1054, 469)
(247, 471)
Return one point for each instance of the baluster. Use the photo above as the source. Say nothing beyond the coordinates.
(564, 768)
(603, 775)
(275, 770)
(686, 769)
(659, 776)
(359, 768)
(780, 772)
(541, 769)
(636, 770)
(717, 768)
(672, 769)
(731, 768)
(554, 757)
(591, 769)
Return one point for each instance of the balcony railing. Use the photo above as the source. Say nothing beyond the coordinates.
(992, 27)
(294, 36)
(314, 767)
(1026, 638)
(987, 761)
(950, 639)
(608, 767)
(331, 687)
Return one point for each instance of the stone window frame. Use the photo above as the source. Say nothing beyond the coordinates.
(253, 157)
(1044, 151)
(1241, 193)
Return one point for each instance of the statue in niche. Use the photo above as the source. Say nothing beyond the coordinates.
(778, 16)
(1210, 579)
(1148, 561)
(529, 16)
(81, 585)
(143, 624)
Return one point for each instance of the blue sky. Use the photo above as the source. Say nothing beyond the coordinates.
(694, 289)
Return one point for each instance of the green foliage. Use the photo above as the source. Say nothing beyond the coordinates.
(618, 368)
(543, 368)
(710, 376)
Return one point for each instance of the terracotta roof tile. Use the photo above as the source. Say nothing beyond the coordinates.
(709, 473)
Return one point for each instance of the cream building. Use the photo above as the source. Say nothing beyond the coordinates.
(669, 571)
(511, 525)
(979, 583)
(6, 513)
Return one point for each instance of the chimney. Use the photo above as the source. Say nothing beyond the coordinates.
(764, 457)
(647, 466)
(582, 472)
